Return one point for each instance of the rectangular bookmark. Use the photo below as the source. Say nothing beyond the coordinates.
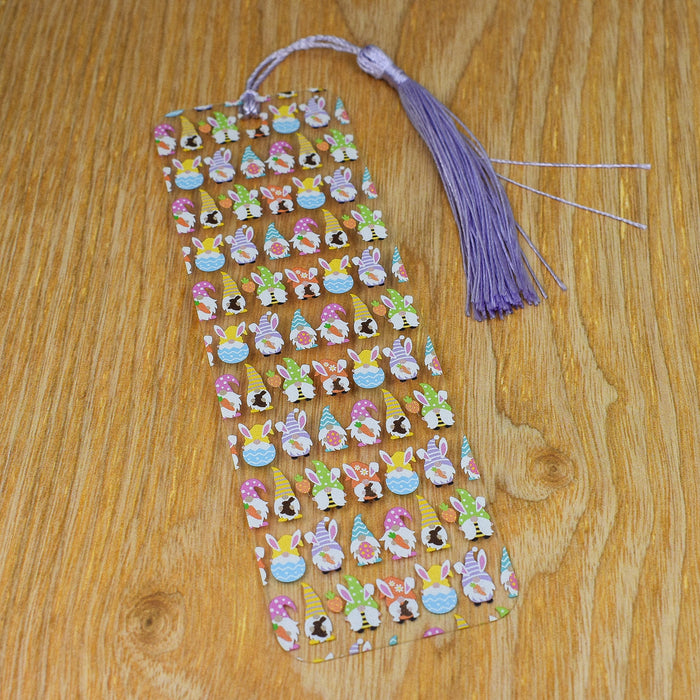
(364, 503)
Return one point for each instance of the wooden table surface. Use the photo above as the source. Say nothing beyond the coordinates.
(121, 539)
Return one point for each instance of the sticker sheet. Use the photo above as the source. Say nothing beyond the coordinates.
(355, 477)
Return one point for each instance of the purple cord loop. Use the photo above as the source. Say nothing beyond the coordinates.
(376, 63)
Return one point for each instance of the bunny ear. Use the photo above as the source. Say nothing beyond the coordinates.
(291, 275)
(368, 590)
(385, 457)
(256, 278)
(353, 356)
(267, 427)
(409, 584)
(387, 302)
(302, 419)
(177, 164)
(408, 346)
(296, 538)
(341, 365)
(283, 372)
(197, 243)
(457, 505)
(312, 476)
(319, 368)
(266, 193)
(272, 542)
(196, 162)
(350, 472)
(422, 572)
(240, 329)
(281, 427)
(274, 109)
(217, 241)
(443, 446)
(220, 331)
(344, 592)
(324, 264)
(297, 182)
(344, 261)
(408, 455)
(445, 569)
(373, 468)
(310, 537)
(422, 454)
(335, 474)
(420, 398)
(244, 431)
(317, 180)
(374, 354)
(460, 568)
(481, 559)
(333, 530)
(384, 588)
(442, 395)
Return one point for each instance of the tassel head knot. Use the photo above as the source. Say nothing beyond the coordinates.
(376, 63)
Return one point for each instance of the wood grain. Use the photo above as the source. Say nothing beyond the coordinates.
(119, 534)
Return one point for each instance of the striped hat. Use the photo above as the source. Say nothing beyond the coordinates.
(208, 203)
(428, 518)
(312, 602)
(323, 539)
(282, 487)
(368, 186)
(393, 407)
(230, 287)
(255, 382)
(187, 127)
(305, 147)
(332, 224)
(461, 622)
(360, 308)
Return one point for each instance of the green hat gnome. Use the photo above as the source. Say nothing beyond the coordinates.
(474, 521)
(400, 310)
(327, 491)
(298, 386)
(361, 610)
(436, 412)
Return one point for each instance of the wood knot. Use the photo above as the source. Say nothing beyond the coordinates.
(156, 623)
(549, 470)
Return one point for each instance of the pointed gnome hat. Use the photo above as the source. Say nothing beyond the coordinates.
(323, 539)
(230, 287)
(362, 408)
(332, 224)
(399, 302)
(330, 312)
(393, 407)
(305, 225)
(428, 518)
(265, 328)
(395, 517)
(255, 382)
(305, 147)
(312, 602)
(461, 622)
(278, 606)
(182, 205)
(208, 204)
(340, 112)
(298, 321)
(360, 308)
(431, 359)
(368, 186)
(398, 352)
(506, 564)
(202, 289)
(187, 127)
(249, 156)
(282, 487)
(280, 148)
(472, 569)
(432, 452)
(366, 261)
(244, 195)
(250, 488)
(292, 429)
(358, 594)
(224, 384)
(359, 529)
(272, 235)
(328, 419)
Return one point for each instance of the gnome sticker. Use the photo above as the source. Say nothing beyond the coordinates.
(331, 434)
(203, 302)
(333, 329)
(397, 423)
(363, 426)
(363, 324)
(303, 334)
(335, 237)
(286, 629)
(364, 545)
(229, 400)
(232, 301)
(326, 554)
(317, 625)
(255, 506)
(220, 168)
(398, 538)
(257, 396)
(432, 534)
(296, 442)
(286, 504)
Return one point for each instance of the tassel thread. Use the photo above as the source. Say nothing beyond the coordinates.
(499, 277)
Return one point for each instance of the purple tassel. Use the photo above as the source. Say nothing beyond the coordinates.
(499, 277)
